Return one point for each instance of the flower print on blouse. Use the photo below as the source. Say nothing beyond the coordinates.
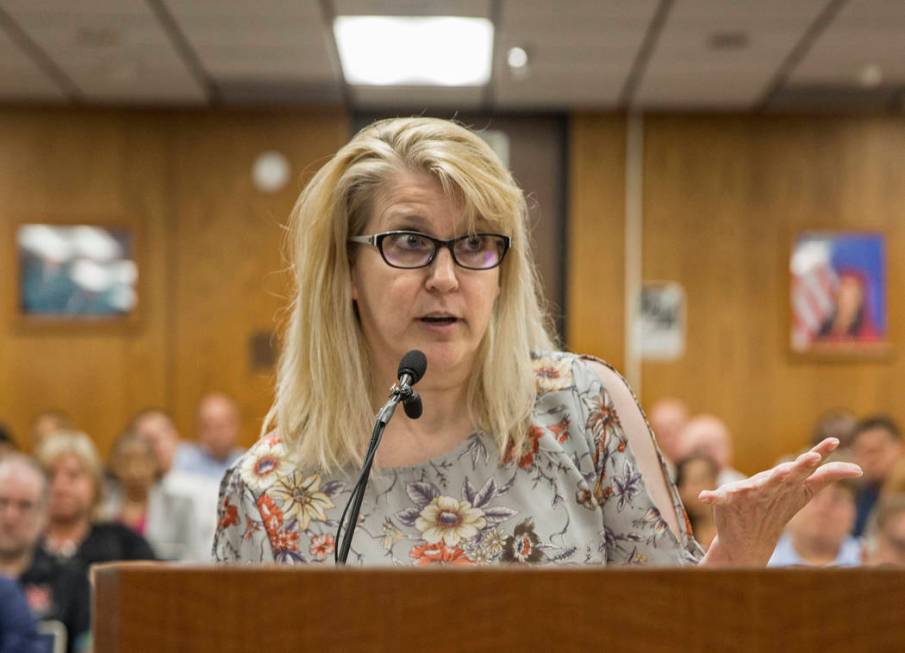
(572, 495)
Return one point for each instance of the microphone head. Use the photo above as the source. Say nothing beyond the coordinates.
(414, 363)
(412, 406)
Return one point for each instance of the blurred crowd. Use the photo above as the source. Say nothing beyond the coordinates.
(63, 509)
(849, 523)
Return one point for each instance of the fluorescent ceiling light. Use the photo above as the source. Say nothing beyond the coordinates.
(436, 51)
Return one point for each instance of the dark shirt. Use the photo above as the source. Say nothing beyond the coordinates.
(59, 590)
(864, 504)
(17, 625)
(111, 542)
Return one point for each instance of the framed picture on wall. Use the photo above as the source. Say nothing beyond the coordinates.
(838, 294)
(76, 273)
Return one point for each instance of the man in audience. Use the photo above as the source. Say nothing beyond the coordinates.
(837, 423)
(157, 428)
(708, 435)
(48, 422)
(54, 590)
(884, 543)
(876, 447)
(667, 418)
(819, 535)
(218, 432)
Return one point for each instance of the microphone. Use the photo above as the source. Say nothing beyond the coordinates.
(411, 368)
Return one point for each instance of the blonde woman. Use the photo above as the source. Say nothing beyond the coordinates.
(76, 492)
(413, 236)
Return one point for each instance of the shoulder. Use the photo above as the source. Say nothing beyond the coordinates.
(561, 370)
(260, 466)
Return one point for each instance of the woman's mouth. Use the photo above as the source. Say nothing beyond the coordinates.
(438, 321)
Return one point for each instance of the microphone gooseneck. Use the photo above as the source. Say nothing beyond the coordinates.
(411, 368)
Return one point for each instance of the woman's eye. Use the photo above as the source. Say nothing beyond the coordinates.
(413, 242)
(474, 244)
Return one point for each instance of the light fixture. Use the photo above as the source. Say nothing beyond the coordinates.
(517, 57)
(404, 50)
(270, 171)
(871, 76)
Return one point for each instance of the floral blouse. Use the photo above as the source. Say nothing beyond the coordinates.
(574, 495)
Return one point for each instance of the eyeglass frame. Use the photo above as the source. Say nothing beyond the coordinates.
(376, 240)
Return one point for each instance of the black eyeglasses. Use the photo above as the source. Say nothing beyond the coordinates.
(410, 249)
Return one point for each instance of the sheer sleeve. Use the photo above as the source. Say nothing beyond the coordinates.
(240, 535)
(635, 530)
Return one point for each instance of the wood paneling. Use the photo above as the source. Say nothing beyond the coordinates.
(724, 197)
(210, 256)
(98, 167)
(229, 270)
(595, 270)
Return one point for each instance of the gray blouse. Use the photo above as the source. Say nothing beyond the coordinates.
(573, 495)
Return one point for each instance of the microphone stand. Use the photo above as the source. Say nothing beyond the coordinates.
(403, 392)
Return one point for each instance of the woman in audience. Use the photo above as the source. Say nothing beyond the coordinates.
(695, 474)
(819, 535)
(140, 501)
(74, 469)
(884, 541)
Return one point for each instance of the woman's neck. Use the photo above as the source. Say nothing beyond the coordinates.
(816, 550)
(61, 532)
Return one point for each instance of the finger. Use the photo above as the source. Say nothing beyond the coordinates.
(826, 446)
(803, 466)
(832, 472)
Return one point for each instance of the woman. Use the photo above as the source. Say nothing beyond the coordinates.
(140, 501)
(414, 237)
(695, 474)
(76, 482)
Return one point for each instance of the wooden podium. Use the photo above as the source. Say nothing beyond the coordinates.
(157, 607)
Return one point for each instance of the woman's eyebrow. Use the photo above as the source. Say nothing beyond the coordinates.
(408, 220)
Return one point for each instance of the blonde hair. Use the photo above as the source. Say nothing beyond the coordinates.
(78, 444)
(325, 395)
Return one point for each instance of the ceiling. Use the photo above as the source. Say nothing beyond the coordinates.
(724, 55)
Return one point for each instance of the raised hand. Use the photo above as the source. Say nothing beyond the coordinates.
(751, 514)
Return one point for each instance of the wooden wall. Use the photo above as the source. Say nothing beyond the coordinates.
(723, 198)
(210, 256)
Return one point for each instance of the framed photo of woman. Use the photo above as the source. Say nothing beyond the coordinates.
(838, 294)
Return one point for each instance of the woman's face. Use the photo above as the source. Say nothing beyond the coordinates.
(72, 490)
(394, 304)
(697, 476)
(135, 467)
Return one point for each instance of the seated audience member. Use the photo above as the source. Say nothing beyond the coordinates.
(7, 443)
(876, 448)
(895, 481)
(76, 483)
(695, 474)
(708, 435)
(54, 590)
(837, 423)
(218, 432)
(884, 543)
(155, 426)
(18, 633)
(667, 418)
(143, 503)
(820, 534)
(48, 422)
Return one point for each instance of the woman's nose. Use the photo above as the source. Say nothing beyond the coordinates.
(443, 272)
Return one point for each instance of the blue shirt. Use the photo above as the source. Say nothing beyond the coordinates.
(17, 626)
(196, 460)
(785, 554)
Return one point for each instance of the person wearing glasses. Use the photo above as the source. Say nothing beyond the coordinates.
(414, 236)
